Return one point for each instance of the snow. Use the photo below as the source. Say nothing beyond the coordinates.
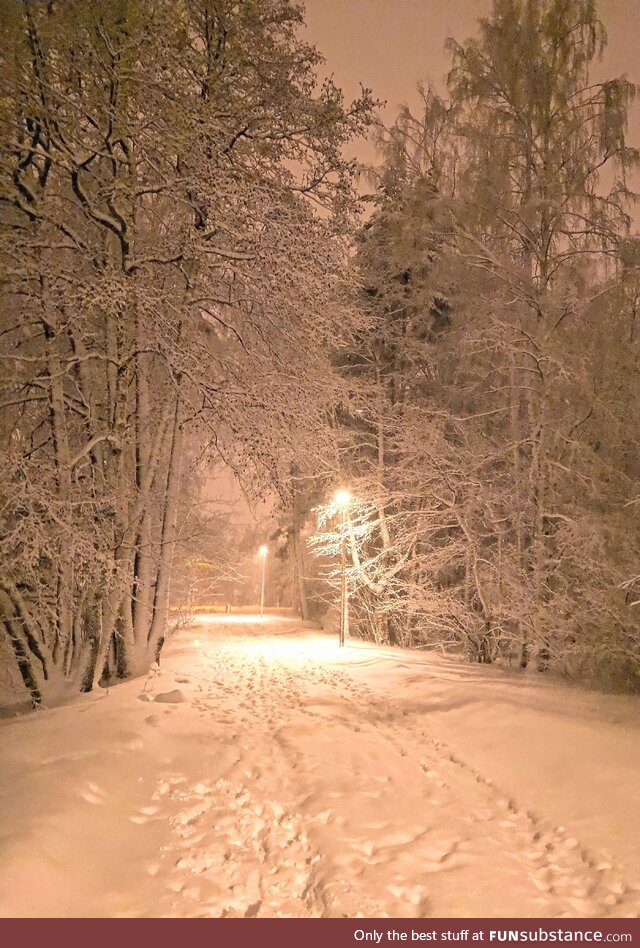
(262, 771)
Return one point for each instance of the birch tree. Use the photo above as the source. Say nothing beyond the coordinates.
(497, 258)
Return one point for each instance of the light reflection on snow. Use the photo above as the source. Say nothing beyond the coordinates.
(275, 637)
(221, 618)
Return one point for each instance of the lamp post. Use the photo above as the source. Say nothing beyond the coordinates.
(343, 499)
(263, 553)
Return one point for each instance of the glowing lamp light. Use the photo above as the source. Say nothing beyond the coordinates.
(342, 498)
(263, 550)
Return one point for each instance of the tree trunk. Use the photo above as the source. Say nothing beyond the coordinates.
(168, 537)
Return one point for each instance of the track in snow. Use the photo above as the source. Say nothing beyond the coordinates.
(338, 803)
(279, 779)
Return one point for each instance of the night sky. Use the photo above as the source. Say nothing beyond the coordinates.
(391, 45)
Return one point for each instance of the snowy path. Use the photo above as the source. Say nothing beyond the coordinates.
(264, 772)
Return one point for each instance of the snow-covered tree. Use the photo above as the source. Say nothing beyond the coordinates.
(168, 276)
(503, 366)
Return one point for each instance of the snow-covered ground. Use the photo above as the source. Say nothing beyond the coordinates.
(265, 772)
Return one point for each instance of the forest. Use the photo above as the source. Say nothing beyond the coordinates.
(196, 276)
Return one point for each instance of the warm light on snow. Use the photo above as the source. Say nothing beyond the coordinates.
(242, 383)
(221, 618)
(270, 772)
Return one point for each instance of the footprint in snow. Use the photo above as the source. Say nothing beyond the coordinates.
(145, 814)
(94, 794)
(234, 852)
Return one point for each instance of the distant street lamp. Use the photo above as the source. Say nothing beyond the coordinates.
(343, 499)
(263, 553)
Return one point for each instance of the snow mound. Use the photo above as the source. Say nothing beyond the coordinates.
(170, 697)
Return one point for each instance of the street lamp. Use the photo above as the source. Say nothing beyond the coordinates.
(343, 499)
(263, 553)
